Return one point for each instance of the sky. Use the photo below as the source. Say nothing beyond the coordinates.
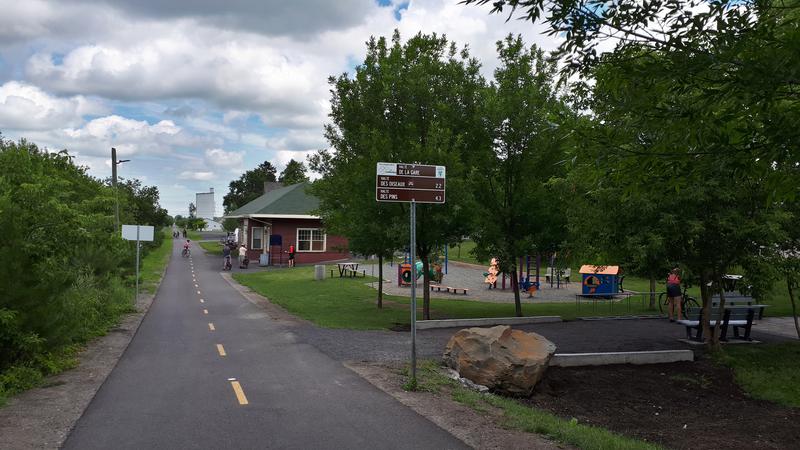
(195, 92)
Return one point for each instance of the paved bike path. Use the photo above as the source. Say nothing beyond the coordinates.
(173, 389)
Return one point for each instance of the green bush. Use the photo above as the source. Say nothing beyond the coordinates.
(66, 262)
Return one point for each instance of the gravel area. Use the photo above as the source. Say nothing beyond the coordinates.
(471, 277)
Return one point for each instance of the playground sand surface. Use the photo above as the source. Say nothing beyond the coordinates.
(471, 277)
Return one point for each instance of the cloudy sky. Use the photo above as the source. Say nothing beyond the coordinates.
(195, 92)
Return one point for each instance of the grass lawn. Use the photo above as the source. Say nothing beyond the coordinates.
(350, 303)
(520, 417)
(211, 247)
(461, 252)
(767, 371)
(193, 235)
(153, 264)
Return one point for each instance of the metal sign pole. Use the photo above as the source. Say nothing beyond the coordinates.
(137, 266)
(413, 291)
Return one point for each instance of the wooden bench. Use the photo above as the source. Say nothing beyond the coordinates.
(455, 290)
(736, 317)
(438, 287)
(736, 299)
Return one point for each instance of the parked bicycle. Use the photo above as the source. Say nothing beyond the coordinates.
(686, 301)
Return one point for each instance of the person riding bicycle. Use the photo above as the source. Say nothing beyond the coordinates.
(674, 296)
(186, 247)
(226, 257)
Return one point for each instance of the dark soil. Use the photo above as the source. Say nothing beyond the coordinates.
(693, 405)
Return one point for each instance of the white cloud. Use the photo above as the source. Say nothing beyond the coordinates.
(128, 136)
(196, 176)
(26, 107)
(209, 66)
(227, 160)
(295, 140)
(282, 157)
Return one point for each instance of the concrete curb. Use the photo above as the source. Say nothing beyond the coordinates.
(602, 359)
(452, 323)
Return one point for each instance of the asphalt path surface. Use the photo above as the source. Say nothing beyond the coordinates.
(173, 388)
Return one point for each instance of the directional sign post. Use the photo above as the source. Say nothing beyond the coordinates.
(137, 233)
(412, 183)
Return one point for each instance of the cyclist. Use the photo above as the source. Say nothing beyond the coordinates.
(226, 257)
(186, 248)
(674, 296)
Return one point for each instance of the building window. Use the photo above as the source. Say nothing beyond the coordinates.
(258, 235)
(310, 240)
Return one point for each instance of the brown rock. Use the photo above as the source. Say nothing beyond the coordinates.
(505, 360)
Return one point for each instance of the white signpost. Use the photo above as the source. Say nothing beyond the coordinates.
(413, 183)
(137, 233)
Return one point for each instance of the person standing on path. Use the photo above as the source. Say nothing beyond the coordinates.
(242, 255)
(674, 296)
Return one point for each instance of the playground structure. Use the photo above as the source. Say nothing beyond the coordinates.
(404, 272)
(600, 280)
(527, 283)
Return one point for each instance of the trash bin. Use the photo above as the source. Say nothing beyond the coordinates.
(319, 272)
(263, 260)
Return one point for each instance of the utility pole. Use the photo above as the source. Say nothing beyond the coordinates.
(114, 163)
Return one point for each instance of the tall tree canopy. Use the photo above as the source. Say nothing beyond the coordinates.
(412, 102)
(517, 212)
(248, 187)
(295, 172)
(737, 60)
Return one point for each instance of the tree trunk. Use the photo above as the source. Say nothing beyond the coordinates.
(652, 292)
(515, 287)
(791, 287)
(426, 283)
(715, 345)
(380, 282)
(705, 294)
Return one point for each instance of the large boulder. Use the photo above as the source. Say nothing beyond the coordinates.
(505, 360)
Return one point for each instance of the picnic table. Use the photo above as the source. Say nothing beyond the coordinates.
(347, 268)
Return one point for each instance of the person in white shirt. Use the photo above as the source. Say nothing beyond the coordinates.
(242, 254)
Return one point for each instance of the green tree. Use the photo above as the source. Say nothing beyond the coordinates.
(248, 187)
(714, 210)
(413, 103)
(736, 58)
(517, 213)
(715, 120)
(295, 172)
(62, 284)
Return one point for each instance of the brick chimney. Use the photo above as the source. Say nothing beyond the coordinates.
(271, 186)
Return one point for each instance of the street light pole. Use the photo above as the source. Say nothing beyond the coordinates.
(114, 163)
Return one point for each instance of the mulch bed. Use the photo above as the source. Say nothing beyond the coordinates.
(681, 405)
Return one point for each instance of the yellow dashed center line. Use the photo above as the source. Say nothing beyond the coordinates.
(221, 350)
(237, 388)
(205, 311)
(211, 326)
